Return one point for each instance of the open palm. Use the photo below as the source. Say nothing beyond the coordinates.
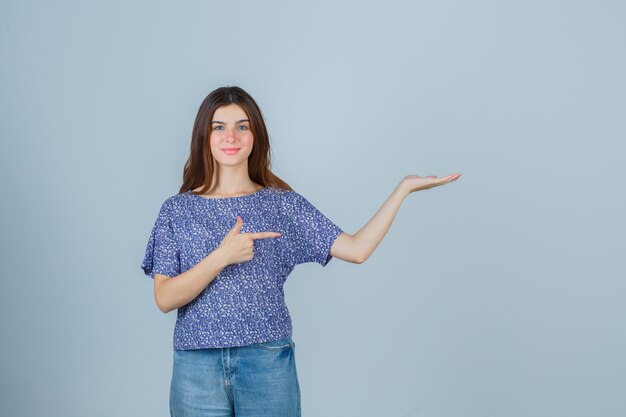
(416, 183)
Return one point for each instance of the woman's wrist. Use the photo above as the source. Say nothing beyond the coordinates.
(218, 259)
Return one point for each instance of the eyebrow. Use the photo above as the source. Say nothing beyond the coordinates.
(237, 122)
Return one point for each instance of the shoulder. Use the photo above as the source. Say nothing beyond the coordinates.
(272, 190)
(285, 201)
(281, 194)
(173, 205)
(177, 199)
(284, 195)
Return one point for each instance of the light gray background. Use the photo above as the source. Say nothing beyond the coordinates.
(501, 294)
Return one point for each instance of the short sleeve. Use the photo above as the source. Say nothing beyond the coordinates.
(309, 234)
(162, 254)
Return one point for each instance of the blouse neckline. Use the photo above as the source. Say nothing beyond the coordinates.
(227, 198)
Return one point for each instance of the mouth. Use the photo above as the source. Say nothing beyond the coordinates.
(230, 151)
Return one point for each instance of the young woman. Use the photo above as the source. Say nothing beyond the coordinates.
(220, 251)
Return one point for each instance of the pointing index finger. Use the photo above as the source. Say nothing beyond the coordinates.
(263, 235)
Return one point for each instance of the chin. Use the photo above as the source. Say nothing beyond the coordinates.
(232, 163)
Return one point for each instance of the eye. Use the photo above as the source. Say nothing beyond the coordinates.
(217, 127)
(244, 127)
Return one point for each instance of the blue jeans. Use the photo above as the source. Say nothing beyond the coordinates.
(258, 380)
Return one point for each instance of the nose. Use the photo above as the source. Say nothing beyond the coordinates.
(230, 135)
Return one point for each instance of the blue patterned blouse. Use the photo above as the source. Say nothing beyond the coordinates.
(245, 302)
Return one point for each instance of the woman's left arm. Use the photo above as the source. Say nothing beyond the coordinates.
(358, 247)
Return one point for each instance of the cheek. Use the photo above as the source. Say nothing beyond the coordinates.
(214, 147)
(214, 140)
(248, 140)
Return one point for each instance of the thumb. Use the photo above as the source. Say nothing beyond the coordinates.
(237, 227)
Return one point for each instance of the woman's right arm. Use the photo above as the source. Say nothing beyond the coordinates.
(171, 294)
(235, 248)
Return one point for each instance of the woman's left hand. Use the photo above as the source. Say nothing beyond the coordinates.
(415, 183)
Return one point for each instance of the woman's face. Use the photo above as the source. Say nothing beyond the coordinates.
(231, 139)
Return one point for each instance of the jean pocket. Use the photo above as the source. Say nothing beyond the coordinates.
(277, 344)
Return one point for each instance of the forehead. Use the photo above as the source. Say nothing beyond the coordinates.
(229, 113)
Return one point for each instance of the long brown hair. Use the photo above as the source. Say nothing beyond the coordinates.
(199, 166)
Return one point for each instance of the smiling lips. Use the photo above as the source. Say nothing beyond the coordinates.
(230, 151)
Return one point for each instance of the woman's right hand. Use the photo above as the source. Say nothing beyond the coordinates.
(238, 247)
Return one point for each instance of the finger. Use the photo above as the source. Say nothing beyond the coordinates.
(263, 235)
(448, 178)
(237, 227)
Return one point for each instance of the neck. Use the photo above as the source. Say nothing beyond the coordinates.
(232, 180)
